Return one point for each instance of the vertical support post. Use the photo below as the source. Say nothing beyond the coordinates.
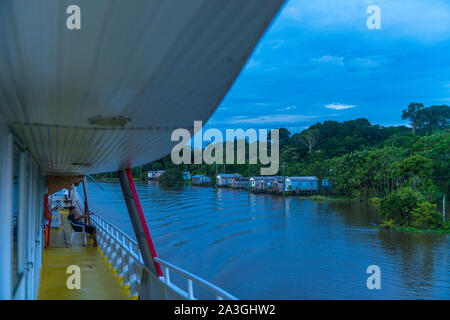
(141, 231)
(87, 220)
(86, 206)
(72, 194)
(6, 214)
(48, 221)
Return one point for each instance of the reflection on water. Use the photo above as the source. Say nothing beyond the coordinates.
(266, 247)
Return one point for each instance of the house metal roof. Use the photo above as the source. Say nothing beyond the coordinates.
(302, 178)
(229, 175)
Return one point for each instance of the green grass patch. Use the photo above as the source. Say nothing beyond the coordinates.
(328, 198)
(410, 229)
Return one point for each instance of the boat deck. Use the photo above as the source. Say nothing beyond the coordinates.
(98, 281)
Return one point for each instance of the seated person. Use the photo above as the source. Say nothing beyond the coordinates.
(77, 223)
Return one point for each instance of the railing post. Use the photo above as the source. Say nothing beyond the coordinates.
(120, 262)
(190, 289)
(102, 239)
(134, 279)
(126, 272)
(117, 255)
(108, 246)
(99, 237)
(167, 275)
(114, 254)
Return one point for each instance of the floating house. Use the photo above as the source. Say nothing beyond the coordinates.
(240, 183)
(301, 184)
(278, 184)
(326, 183)
(226, 179)
(200, 179)
(261, 183)
(155, 174)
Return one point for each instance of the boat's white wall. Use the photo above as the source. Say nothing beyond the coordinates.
(30, 228)
(22, 236)
(160, 63)
(6, 212)
(31, 190)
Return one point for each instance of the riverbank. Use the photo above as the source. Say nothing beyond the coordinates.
(410, 229)
(327, 198)
(375, 202)
(335, 198)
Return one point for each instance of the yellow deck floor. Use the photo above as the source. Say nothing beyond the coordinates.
(98, 281)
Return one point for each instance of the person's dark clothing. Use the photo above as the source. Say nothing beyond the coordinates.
(78, 225)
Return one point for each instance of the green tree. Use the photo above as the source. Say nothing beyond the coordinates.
(435, 117)
(437, 148)
(426, 217)
(310, 138)
(171, 178)
(398, 206)
(413, 114)
(416, 169)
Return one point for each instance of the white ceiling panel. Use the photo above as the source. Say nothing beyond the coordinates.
(160, 63)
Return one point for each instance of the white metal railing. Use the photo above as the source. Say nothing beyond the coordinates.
(77, 201)
(124, 255)
(191, 279)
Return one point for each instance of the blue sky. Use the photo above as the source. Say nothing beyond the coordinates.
(319, 61)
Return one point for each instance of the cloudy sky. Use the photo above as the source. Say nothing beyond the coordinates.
(319, 61)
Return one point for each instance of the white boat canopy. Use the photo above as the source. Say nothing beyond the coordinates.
(109, 95)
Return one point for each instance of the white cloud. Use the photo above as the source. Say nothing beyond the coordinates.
(288, 108)
(253, 64)
(365, 63)
(329, 60)
(339, 106)
(292, 12)
(352, 64)
(279, 118)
